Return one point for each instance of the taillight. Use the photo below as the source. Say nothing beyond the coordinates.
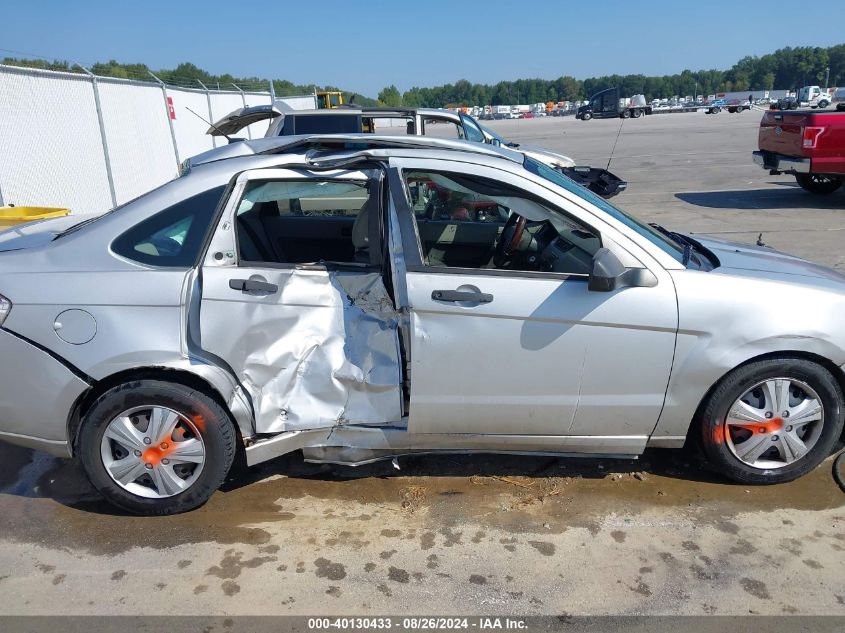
(5, 308)
(811, 136)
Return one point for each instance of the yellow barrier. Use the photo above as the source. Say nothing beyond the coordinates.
(10, 216)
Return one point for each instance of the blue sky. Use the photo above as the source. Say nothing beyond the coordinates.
(363, 46)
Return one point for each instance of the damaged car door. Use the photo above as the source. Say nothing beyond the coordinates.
(294, 303)
(508, 341)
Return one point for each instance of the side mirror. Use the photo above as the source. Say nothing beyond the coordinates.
(608, 274)
(495, 142)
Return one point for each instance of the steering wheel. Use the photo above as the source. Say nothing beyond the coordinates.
(509, 240)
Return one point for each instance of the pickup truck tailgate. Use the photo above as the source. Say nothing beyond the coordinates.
(782, 133)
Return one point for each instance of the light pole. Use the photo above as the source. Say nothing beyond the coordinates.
(826, 77)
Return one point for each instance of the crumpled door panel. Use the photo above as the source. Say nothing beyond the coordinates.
(321, 352)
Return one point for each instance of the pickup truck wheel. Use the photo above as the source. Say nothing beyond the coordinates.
(156, 448)
(819, 183)
(823, 104)
(586, 116)
(772, 421)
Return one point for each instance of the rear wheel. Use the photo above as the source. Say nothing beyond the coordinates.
(819, 183)
(823, 103)
(636, 113)
(772, 421)
(156, 448)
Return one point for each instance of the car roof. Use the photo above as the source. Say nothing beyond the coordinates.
(343, 143)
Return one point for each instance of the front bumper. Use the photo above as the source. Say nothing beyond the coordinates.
(37, 393)
(781, 164)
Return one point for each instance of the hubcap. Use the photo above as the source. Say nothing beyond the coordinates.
(774, 424)
(153, 452)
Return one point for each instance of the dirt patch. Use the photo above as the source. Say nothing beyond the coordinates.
(330, 570)
(232, 564)
(398, 575)
(756, 588)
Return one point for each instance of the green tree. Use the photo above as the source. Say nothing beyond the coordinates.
(390, 97)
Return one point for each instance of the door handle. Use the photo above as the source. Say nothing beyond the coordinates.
(456, 296)
(252, 285)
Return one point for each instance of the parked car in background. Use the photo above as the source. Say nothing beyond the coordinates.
(838, 99)
(360, 297)
(806, 143)
(419, 121)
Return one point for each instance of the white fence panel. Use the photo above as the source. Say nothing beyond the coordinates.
(51, 151)
(138, 136)
(188, 127)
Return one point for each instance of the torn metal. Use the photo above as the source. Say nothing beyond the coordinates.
(331, 358)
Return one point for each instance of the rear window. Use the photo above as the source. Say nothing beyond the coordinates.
(171, 237)
(322, 124)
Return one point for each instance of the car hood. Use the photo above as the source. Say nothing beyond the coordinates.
(33, 234)
(767, 263)
(552, 159)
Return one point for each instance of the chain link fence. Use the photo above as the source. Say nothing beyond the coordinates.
(89, 143)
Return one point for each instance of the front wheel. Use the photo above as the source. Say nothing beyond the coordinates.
(586, 116)
(820, 184)
(156, 448)
(772, 421)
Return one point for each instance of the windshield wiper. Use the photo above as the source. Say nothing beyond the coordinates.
(690, 246)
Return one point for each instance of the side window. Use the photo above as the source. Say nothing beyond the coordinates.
(442, 128)
(471, 130)
(469, 222)
(172, 237)
(306, 222)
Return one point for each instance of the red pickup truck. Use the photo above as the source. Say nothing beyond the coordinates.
(808, 144)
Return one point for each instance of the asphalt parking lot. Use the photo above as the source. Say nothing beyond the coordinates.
(476, 534)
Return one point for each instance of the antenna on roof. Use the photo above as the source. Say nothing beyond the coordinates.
(228, 138)
(614, 144)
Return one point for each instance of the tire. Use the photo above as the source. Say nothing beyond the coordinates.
(723, 443)
(626, 114)
(636, 113)
(819, 184)
(823, 104)
(586, 116)
(165, 475)
(715, 110)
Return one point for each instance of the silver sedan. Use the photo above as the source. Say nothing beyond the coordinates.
(361, 297)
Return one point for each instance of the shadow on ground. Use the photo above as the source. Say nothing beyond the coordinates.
(754, 199)
(31, 474)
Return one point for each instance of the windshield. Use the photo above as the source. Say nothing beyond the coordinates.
(661, 240)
